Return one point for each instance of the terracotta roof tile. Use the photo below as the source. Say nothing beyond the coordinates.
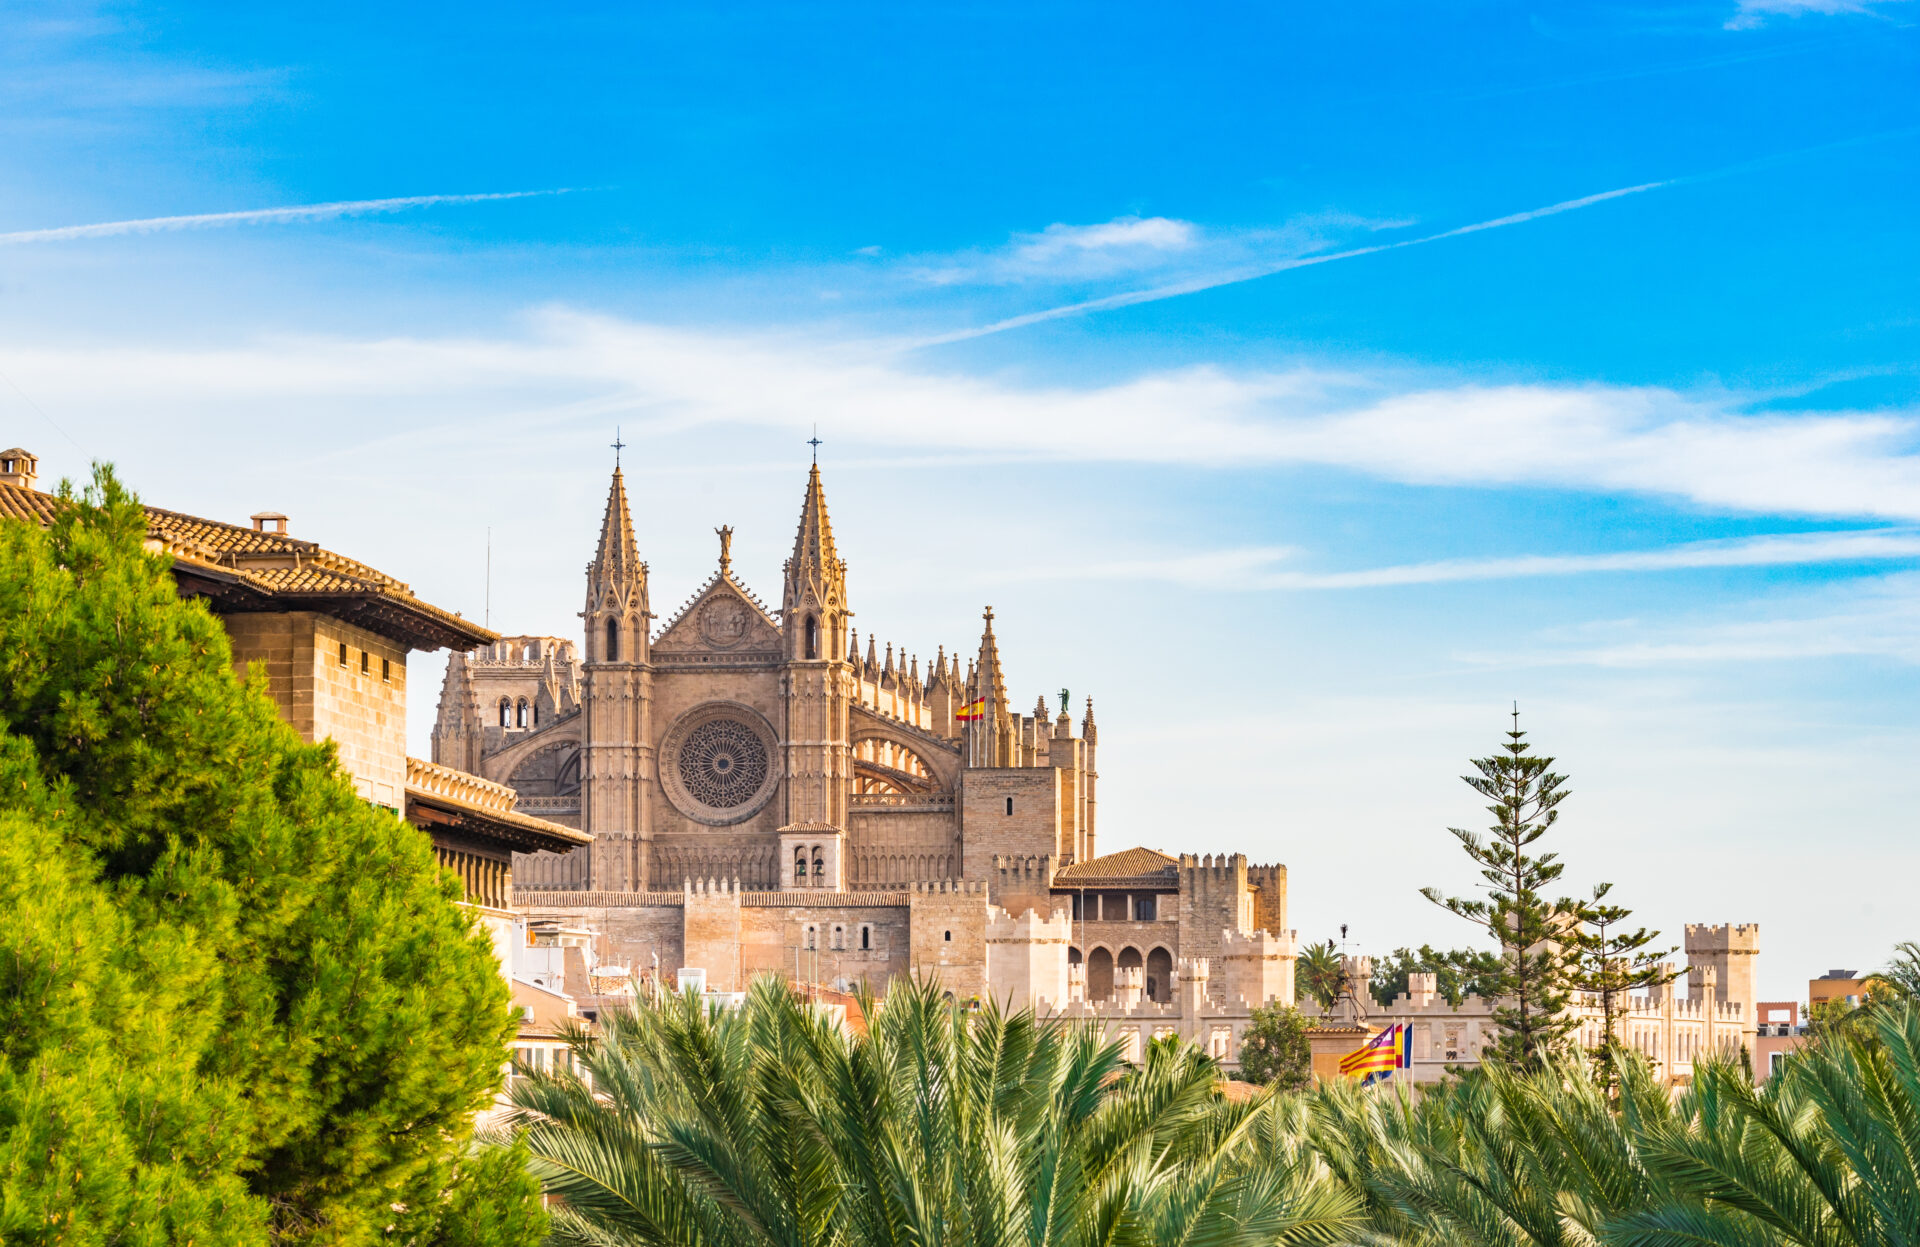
(251, 566)
(1135, 863)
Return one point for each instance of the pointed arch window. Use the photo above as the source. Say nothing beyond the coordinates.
(506, 713)
(813, 637)
(520, 714)
(613, 640)
(800, 868)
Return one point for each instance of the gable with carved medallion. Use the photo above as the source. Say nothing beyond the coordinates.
(722, 618)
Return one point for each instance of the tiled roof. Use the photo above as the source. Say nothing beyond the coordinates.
(1135, 863)
(244, 569)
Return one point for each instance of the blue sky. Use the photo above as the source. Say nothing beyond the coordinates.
(1307, 385)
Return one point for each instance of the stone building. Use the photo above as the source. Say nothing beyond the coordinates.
(333, 636)
(769, 792)
(1717, 1012)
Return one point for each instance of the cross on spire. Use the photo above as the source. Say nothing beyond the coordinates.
(814, 442)
(618, 446)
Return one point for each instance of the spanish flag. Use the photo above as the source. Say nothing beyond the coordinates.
(975, 709)
(1376, 1060)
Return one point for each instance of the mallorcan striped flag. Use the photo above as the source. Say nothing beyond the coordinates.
(1376, 1060)
(975, 709)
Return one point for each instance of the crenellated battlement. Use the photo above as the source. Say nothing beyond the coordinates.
(951, 887)
(1743, 937)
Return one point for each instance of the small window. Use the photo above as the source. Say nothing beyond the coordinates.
(613, 640)
(365, 662)
(536, 714)
(839, 937)
(520, 713)
(506, 713)
(947, 936)
(386, 671)
(1009, 805)
(813, 637)
(866, 938)
(810, 937)
(343, 653)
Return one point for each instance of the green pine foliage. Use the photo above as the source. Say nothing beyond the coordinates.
(1525, 795)
(1612, 961)
(236, 1002)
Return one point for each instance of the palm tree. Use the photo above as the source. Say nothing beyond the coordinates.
(1900, 981)
(1827, 1153)
(767, 1125)
(1319, 974)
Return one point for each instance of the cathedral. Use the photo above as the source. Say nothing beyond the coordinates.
(767, 791)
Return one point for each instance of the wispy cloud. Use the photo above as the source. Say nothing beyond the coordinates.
(1752, 13)
(257, 216)
(1263, 567)
(1878, 618)
(1215, 278)
(1135, 246)
(1706, 449)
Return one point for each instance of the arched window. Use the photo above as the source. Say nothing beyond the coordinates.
(813, 637)
(866, 938)
(506, 713)
(800, 868)
(613, 640)
(536, 714)
(520, 714)
(839, 936)
(810, 937)
(819, 868)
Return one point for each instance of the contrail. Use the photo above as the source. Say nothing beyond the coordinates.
(257, 216)
(1233, 276)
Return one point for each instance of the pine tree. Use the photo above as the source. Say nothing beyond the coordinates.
(1611, 961)
(1525, 793)
(294, 1020)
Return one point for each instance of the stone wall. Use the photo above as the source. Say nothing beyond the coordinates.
(1008, 812)
(360, 705)
(948, 924)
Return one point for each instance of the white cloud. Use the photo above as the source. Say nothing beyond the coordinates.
(254, 216)
(1260, 567)
(570, 368)
(1135, 246)
(1754, 13)
(1302, 250)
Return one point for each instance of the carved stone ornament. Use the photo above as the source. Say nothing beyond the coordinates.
(724, 622)
(720, 763)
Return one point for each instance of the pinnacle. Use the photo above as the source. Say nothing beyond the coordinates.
(813, 544)
(618, 548)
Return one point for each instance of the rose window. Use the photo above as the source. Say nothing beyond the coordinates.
(722, 763)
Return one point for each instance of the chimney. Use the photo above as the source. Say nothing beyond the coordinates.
(17, 467)
(263, 518)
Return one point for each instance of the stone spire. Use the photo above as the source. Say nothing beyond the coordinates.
(616, 754)
(1088, 732)
(820, 649)
(815, 596)
(991, 740)
(617, 615)
(458, 728)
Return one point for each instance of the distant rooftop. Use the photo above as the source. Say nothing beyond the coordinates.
(242, 569)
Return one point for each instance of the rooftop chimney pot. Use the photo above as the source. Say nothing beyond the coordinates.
(262, 518)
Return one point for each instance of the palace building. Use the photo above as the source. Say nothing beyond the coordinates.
(768, 791)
